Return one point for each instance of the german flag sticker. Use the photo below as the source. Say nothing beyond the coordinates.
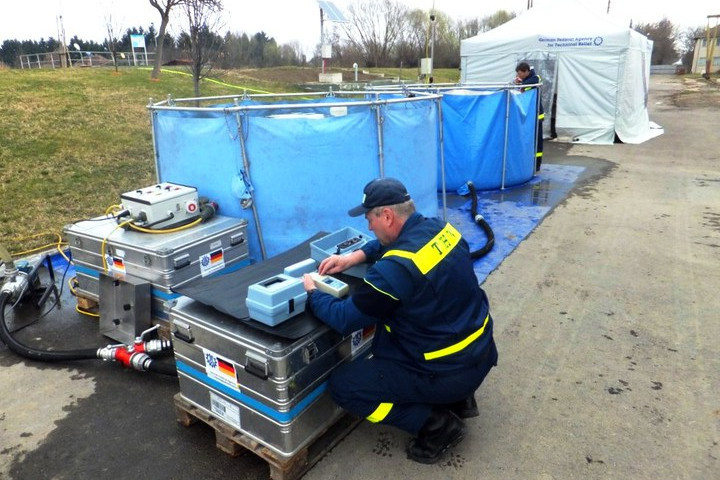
(220, 369)
(226, 368)
(212, 262)
(118, 264)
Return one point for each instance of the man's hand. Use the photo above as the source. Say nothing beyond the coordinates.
(340, 263)
(334, 264)
(308, 282)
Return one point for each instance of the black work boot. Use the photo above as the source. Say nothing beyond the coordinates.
(466, 408)
(441, 431)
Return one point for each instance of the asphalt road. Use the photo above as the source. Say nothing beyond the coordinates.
(606, 319)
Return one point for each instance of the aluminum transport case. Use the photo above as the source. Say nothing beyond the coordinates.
(270, 388)
(166, 260)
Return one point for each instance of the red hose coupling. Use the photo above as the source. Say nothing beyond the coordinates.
(123, 355)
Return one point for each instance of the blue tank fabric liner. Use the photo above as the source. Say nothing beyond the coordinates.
(474, 147)
(301, 169)
(512, 213)
(302, 162)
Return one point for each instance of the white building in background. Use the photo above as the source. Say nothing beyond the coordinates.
(700, 56)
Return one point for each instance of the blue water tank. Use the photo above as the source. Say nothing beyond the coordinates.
(294, 168)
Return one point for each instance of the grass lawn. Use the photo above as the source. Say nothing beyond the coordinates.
(73, 140)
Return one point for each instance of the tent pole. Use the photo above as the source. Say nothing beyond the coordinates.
(154, 139)
(442, 157)
(381, 155)
(505, 146)
(537, 127)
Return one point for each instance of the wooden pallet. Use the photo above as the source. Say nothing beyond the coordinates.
(235, 443)
(87, 304)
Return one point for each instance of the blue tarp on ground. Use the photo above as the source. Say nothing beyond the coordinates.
(512, 213)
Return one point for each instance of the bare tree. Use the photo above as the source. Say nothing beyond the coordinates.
(164, 7)
(111, 41)
(469, 28)
(203, 18)
(687, 41)
(374, 27)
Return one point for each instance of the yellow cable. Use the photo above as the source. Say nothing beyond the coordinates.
(67, 259)
(168, 230)
(71, 285)
(36, 236)
(38, 249)
(57, 245)
(104, 242)
(141, 229)
(165, 70)
(113, 208)
(85, 312)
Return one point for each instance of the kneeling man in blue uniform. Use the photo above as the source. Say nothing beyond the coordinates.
(433, 343)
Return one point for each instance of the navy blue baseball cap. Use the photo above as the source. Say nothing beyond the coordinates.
(379, 193)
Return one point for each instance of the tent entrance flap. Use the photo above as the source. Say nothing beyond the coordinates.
(545, 65)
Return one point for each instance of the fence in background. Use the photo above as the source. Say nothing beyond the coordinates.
(85, 59)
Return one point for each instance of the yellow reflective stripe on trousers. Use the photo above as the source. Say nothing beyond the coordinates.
(458, 346)
(380, 412)
(432, 252)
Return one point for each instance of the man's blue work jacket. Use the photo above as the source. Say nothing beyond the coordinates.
(424, 297)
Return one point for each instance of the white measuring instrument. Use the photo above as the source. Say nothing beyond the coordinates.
(331, 285)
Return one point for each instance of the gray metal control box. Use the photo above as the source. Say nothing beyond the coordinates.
(162, 205)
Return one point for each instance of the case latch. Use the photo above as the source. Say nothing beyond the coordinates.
(310, 352)
(257, 365)
(181, 261)
(182, 331)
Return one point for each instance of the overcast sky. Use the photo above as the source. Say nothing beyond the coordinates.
(298, 20)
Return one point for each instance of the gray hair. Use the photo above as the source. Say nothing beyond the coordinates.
(403, 210)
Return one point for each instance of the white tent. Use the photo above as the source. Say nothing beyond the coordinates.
(598, 70)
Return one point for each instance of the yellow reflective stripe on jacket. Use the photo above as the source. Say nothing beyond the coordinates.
(432, 252)
(380, 412)
(381, 291)
(458, 346)
(387, 327)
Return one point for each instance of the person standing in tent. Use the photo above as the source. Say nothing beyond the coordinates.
(526, 76)
(433, 343)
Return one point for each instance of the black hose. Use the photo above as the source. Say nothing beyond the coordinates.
(151, 365)
(482, 223)
(163, 368)
(34, 354)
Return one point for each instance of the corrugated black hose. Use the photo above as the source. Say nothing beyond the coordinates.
(144, 362)
(34, 354)
(480, 220)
